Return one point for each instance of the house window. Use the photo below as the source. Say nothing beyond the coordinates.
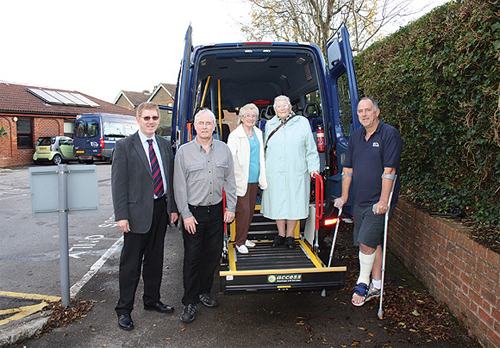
(24, 135)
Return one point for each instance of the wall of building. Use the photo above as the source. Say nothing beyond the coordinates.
(458, 271)
(6, 145)
(10, 155)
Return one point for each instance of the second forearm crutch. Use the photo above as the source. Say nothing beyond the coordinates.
(386, 226)
(335, 236)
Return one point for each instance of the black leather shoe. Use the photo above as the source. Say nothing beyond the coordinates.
(290, 243)
(188, 314)
(208, 300)
(125, 322)
(160, 308)
(278, 240)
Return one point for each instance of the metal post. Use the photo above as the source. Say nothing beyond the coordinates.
(62, 171)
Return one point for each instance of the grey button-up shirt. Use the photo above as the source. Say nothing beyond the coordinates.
(199, 177)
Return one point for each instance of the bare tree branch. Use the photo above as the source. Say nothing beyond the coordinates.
(316, 20)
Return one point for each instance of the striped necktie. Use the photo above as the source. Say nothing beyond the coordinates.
(155, 169)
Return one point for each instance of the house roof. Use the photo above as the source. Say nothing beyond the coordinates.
(166, 86)
(16, 98)
(134, 98)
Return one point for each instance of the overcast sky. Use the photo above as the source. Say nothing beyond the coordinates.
(100, 47)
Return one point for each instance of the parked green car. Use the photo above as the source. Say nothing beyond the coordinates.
(54, 149)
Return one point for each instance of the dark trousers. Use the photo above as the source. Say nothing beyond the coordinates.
(144, 250)
(245, 208)
(202, 251)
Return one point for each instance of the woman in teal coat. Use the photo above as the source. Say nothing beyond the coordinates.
(291, 158)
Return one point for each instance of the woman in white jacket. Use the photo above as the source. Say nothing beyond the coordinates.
(247, 147)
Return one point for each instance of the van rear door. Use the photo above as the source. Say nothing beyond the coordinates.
(342, 80)
(86, 137)
(182, 97)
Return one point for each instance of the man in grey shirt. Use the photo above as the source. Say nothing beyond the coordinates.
(203, 167)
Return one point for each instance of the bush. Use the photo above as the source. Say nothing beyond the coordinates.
(437, 80)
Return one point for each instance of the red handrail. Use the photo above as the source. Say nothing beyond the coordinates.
(319, 197)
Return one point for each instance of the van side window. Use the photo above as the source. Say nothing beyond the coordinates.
(344, 104)
(118, 129)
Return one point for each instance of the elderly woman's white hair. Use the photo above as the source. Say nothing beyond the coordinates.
(280, 98)
(246, 108)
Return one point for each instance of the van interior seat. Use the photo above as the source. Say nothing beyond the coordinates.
(265, 115)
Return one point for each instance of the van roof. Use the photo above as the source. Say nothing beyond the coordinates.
(257, 71)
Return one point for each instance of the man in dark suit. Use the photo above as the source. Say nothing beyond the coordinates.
(141, 181)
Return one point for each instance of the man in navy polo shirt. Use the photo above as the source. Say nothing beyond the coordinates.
(371, 165)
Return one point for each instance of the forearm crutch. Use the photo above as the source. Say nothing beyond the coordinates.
(386, 226)
(335, 237)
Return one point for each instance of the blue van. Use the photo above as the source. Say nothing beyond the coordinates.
(226, 76)
(95, 135)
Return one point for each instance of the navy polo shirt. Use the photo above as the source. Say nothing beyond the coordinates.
(368, 160)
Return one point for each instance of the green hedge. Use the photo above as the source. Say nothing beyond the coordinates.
(437, 80)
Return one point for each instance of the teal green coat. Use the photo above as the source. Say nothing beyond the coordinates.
(291, 156)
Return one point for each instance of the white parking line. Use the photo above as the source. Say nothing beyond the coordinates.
(95, 267)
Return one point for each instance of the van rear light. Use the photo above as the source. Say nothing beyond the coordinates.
(330, 221)
(101, 143)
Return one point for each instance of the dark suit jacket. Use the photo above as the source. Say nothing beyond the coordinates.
(132, 182)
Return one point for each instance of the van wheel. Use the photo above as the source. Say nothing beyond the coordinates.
(111, 157)
(57, 159)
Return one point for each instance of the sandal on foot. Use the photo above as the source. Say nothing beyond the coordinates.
(361, 289)
(372, 293)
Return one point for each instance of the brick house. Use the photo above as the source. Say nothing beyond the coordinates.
(30, 112)
(163, 94)
(130, 99)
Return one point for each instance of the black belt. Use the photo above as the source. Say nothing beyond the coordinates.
(204, 208)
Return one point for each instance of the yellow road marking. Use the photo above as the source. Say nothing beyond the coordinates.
(24, 311)
(10, 311)
(29, 296)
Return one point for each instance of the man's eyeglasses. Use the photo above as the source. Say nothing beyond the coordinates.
(201, 123)
(250, 116)
(148, 118)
